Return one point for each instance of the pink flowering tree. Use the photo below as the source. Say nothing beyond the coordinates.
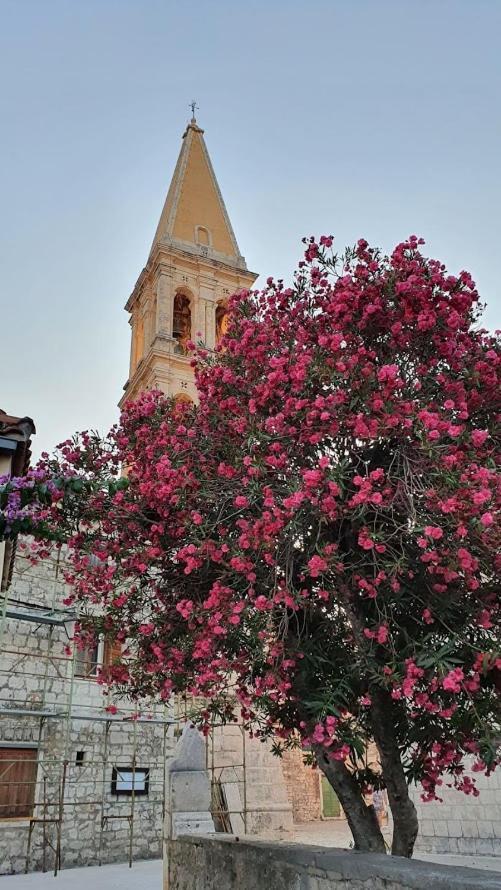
(313, 545)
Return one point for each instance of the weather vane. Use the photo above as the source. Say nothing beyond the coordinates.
(193, 106)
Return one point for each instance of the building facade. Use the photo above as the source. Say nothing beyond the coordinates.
(66, 752)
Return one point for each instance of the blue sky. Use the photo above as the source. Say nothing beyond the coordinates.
(374, 118)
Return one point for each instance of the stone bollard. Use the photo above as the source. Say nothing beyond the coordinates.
(187, 793)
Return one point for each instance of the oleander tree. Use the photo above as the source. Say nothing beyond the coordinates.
(315, 544)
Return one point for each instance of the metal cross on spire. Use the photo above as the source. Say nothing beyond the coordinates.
(193, 106)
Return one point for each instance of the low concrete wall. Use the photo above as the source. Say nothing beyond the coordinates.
(223, 862)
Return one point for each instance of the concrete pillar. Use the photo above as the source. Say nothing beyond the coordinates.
(164, 303)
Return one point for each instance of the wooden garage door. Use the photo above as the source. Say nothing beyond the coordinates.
(18, 773)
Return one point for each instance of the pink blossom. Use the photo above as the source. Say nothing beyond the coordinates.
(312, 478)
(241, 501)
(262, 603)
(365, 541)
(146, 629)
(341, 753)
(387, 372)
(452, 682)
(434, 532)
(487, 519)
(484, 619)
(317, 565)
(478, 437)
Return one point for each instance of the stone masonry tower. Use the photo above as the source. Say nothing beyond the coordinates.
(193, 267)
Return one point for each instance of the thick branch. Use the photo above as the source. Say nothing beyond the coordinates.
(405, 822)
(361, 818)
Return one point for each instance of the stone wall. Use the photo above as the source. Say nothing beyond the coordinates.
(36, 679)
(265, 799)
(88, 797)
(462, 823)
(303, 786)
(223, 863)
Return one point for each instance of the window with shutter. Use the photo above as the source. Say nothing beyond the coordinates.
(112, 652)
(18, 775)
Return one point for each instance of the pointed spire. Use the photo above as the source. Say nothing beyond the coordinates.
(194, 214)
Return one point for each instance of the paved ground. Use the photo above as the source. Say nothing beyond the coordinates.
(147, 875)
(335, 833)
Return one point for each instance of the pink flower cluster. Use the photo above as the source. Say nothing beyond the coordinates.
(322, 530)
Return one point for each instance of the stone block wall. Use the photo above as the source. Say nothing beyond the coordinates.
(223, 863)
(88, 797)
(462, 823)
(269, 811)
(303, 786)
(36, 676)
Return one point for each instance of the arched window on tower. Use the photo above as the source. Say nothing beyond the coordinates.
(221, 321)
(181, 327)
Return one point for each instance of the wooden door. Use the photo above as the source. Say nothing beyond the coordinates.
(18, 773)
(330, 801)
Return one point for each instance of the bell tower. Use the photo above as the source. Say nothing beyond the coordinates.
(193, 267)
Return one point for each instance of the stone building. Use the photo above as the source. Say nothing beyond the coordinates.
(67, 754)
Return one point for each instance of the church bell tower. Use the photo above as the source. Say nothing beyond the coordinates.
(193, 267)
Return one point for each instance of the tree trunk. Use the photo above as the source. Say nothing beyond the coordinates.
(405, 822)
(361, 818)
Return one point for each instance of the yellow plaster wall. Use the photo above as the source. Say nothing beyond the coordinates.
(199, 203)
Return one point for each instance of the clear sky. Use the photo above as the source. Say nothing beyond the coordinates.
(374, 118)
